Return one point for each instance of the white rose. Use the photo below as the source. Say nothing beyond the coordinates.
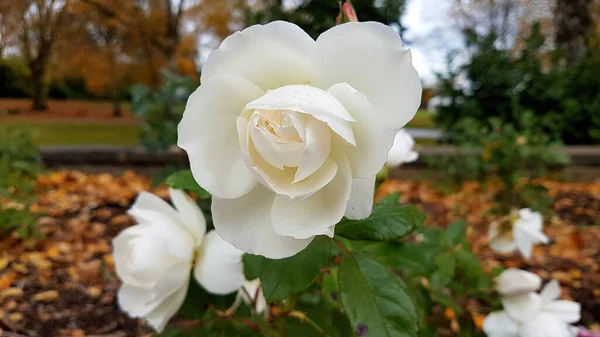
(154, 258)
(517, 282)
(534, 315)
(521, 230)
(288, 133)
(402, 150)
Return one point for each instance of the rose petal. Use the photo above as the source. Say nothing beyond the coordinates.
(139, 302)
(499, 243)
(219, 268)
(208, 133)
(567, 311)
(246, 223)
(312, 101)
(390, 82)
(522, 307)
(317, 214)
(147, 203)
(517, 282)
(283, 181)
(318, 146)
(550, 292)
(270, 55)
(499, 324)
(360, 204)
(190, 214)
(402, 149)
(525, 237)
(373, 139)
(546, 325)
(160, 316)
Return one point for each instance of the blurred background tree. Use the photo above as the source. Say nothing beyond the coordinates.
(316, 16)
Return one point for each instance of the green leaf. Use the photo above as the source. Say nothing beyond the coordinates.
(325, 314)
(392, 198)
(169, 331)
(470, 261)
(283, 277)
(387, 222)
(455, 234)
(446, 264)
(184, 180)
(375, 299)
(252, 265)
(446, 300)
(196, 301)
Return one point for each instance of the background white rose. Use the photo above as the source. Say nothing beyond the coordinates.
(521, 230)
(402, 149)
(515, 281)
(154, 258)
(534, 315)
(288, 133)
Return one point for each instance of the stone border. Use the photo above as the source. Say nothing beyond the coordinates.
(53, 156)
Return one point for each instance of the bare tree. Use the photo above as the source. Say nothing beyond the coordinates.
(41, 22)
(574, 25)
(498, 17)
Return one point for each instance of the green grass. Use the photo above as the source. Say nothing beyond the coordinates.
(423, 119)
(84, 133)
(99, 133)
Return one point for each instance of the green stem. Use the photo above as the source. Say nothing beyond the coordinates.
(304, 319)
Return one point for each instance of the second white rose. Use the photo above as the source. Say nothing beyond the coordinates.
(288, 133)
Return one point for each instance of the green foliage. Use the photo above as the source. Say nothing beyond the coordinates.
(316, 16)
(371, 279)
(19, 165)
(14, 78)
(440, 272)
(184, 180)
(563, 98)
(375, 299)
(284, 277)
(162, 109)
(507, 153)
(68, 87)
(389, 221)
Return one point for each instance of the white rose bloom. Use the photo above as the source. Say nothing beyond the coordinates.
(521, 230)
(402, 149)
(288, 133)
(534, 315)
(252, 294)
(154, 258)
(514, 281)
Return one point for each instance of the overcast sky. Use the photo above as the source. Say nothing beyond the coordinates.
(431, 34)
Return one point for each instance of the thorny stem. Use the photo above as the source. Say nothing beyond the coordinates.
(304, 319)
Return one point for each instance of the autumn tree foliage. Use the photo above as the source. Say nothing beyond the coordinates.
(39, 24)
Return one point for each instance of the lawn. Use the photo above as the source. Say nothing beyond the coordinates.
(79, 133)
(96, 127)
(423, 119)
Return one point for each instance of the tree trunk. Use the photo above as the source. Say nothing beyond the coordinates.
(38, 94)
(116, 101)
(574, 24)
(114, 79)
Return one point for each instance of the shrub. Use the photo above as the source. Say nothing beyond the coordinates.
(14, 79)
(564, 100)
(19, 165)
(501, 151)
(162, 109)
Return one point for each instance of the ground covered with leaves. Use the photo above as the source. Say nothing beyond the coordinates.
(65, 285)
